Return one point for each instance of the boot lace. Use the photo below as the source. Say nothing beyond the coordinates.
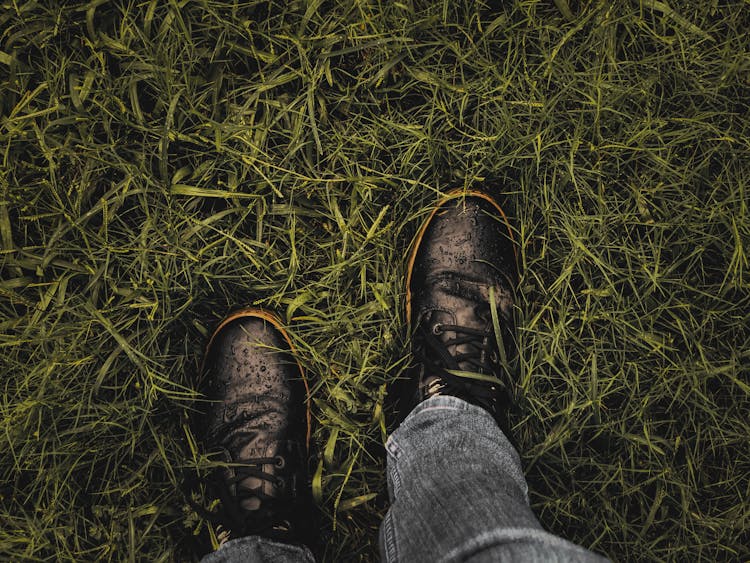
(470, 374)
(272, 519)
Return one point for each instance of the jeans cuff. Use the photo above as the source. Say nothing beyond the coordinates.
(447, 402)
(257, 548)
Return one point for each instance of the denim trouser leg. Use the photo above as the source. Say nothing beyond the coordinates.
(254, 549)
(458, 493)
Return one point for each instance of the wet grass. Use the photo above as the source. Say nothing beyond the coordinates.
(162, 163)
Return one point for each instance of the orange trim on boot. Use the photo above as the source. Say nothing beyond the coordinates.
(454, 194)
(272, 318)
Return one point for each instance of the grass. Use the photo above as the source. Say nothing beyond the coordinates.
(165, 162)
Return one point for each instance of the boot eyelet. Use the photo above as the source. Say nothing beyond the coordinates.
(281, 485)
(280, 462)
(437, 329)
(493, 357)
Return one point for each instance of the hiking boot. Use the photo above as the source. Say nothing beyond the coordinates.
(258, 420)
(461, 279)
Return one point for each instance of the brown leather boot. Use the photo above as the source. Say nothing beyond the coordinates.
(258, 421)
(461, 280)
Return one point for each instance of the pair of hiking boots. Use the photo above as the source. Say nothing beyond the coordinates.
(461, 278)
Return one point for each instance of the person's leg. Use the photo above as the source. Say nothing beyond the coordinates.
(458, 492)
(456, 485)
(256, 549)
(257, 426)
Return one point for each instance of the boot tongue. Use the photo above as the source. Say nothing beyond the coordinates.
(255, 427)
(250, 445)
(460, 303)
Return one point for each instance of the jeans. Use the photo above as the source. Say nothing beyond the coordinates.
(457, 494)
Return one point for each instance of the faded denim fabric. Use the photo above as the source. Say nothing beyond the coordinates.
(259, 550)
(457, 494)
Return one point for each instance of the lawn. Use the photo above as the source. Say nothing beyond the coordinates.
(164, 162)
